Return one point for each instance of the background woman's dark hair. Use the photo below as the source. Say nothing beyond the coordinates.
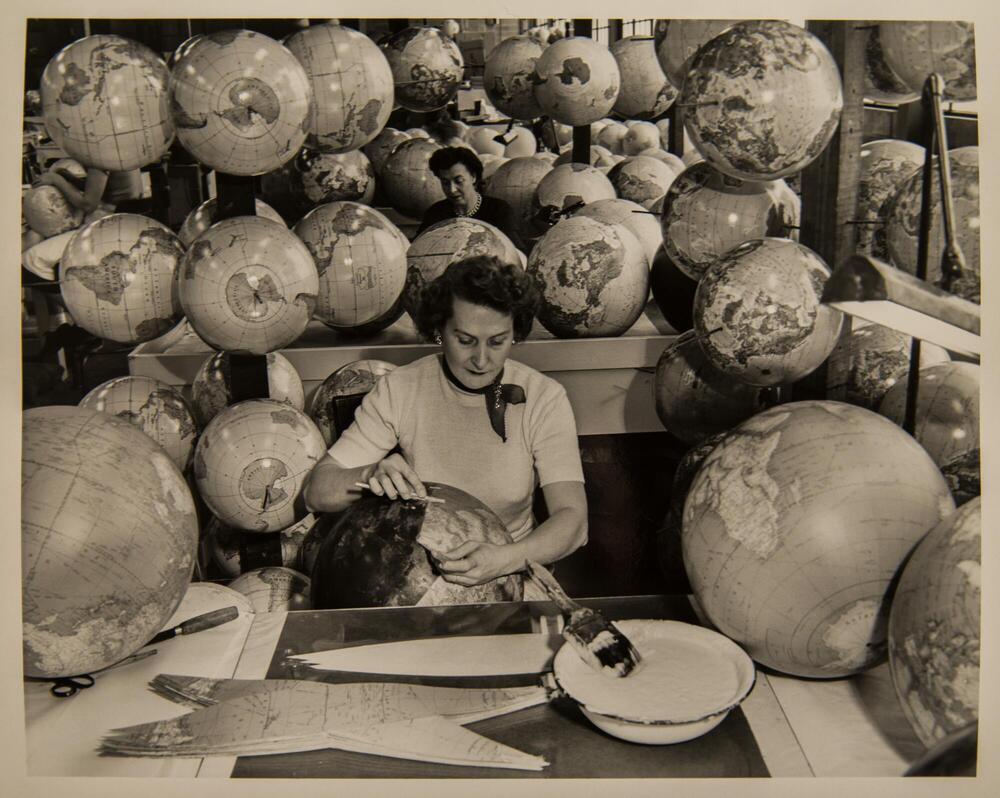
(481, 280)
(447, 157)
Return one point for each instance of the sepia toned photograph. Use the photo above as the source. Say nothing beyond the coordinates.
(443, 398)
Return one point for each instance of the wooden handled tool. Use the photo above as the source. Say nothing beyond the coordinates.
(598, 642)
(197, 624)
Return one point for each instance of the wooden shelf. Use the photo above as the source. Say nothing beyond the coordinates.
(608, 380)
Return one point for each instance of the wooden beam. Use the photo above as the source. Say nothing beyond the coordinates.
(830, 192)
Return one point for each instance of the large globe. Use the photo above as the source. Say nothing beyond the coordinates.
(934, 622)
(885, 165)
(242, 103)
(947, 421)
(515, 182)
(507, 76)
(118, 278)
(332, 177)
(48, 212)
(695, 400)
(108, 540)
(252, 461)
(566, 186)
(593, 278)
(576, 80)
(645, 92)
(762, 99)
(381, 147)
(374, 556)
(759, 313)
(204, 216)
(880, 358)
(105, 103)
(154, 407)
(333, 403)
(677, 40)
(361, 261)
(916, 49)
(213, 387)
(274, 589)
(706, 213)
(642, 179)
(902, 222)
(794, 529)
(447, 242)
(427, 68)
(882, 84)
(632, 215)
(248, 284)
(351, 81)
(407, 179)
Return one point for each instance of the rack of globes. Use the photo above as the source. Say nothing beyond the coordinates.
(761, 498)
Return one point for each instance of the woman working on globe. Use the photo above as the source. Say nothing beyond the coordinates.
(427, 421)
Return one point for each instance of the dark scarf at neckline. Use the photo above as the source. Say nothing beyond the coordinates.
(497, 395)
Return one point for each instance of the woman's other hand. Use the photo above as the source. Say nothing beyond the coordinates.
(395, 478)
(474, 562)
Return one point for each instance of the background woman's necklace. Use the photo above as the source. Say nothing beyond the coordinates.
(474, 208)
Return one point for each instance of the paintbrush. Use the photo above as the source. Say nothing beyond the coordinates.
(434, 499)
(598, 642)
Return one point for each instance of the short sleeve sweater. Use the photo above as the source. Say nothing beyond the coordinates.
(445, 434)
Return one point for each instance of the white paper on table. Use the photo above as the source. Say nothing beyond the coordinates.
(62, 734)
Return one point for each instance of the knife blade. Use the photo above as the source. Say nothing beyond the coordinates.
(465, 655)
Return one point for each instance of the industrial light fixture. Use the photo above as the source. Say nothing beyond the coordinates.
(870, 289)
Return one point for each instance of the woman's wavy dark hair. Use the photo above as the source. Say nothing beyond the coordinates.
(482, 280)
(447, 157)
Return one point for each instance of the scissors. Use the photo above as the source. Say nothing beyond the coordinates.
(68, 686)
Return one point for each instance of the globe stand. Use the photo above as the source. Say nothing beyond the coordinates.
(259, 550)
(248, 373)
(234, 195)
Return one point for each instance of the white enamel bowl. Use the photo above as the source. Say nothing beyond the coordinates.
(724, 679)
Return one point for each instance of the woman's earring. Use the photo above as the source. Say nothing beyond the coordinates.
(437, 339)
